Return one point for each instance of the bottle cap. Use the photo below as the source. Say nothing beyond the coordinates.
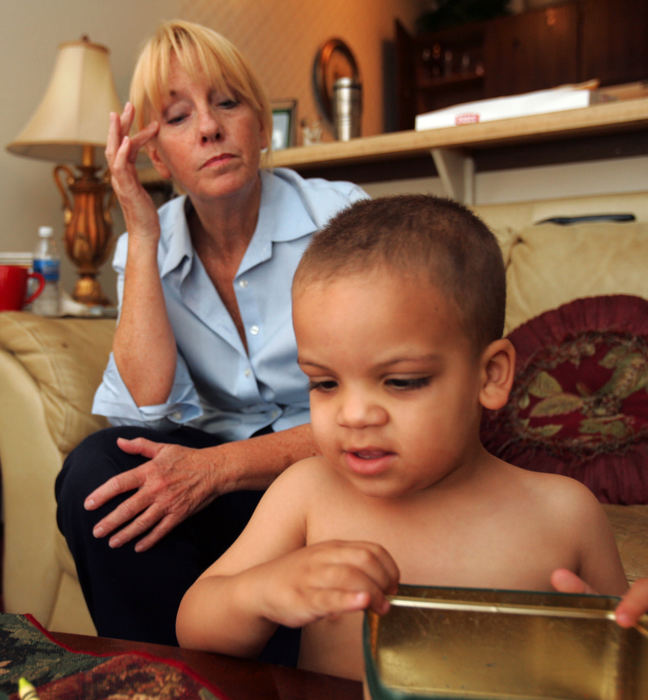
(45, 231)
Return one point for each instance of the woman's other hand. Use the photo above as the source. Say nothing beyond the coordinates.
(177, 481)
(168, 488)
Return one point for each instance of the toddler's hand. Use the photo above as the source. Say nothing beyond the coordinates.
(327, 579)
(633, 604)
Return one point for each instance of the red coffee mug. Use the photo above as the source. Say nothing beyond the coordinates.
(13, 287)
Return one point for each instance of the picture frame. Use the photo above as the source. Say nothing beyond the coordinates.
(284, 123)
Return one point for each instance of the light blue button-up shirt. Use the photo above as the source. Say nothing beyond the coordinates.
(218, 386)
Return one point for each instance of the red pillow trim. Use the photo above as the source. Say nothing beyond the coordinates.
(579, 404)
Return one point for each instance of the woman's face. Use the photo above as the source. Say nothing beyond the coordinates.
(208, 142)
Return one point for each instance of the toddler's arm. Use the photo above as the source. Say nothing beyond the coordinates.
(236, 613)
(587, 527)
(269, 577)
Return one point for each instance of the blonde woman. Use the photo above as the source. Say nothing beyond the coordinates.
(202, 386)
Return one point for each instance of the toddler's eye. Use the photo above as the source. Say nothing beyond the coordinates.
(405, 383)
(322, 385)
(228, 103)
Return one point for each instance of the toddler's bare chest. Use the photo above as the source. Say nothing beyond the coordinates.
(456, 551)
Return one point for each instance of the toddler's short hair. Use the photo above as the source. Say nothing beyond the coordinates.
(414, 235)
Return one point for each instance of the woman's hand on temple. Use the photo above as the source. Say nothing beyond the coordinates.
(169, 487)
(121, 153)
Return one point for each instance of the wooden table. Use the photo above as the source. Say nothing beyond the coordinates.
(239, 679)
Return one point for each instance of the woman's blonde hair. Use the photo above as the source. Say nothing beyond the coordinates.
(202, 53)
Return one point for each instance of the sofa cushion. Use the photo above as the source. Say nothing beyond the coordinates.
(66, 358)
(579, 404)
(506, 237)
(551, 264)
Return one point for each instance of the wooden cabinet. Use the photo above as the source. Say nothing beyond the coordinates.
(437, 70)
(615, 41)
(563, 43)
(531, 51)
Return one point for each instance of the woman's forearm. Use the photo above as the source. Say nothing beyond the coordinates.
(144, 346)
(253, 464)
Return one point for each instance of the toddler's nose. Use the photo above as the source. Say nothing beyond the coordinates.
(359, 411)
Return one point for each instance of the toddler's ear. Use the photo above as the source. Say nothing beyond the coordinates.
(498, 362)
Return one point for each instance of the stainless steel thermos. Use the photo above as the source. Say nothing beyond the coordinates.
(347, 108)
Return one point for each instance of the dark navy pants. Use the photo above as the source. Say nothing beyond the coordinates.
(136, 595)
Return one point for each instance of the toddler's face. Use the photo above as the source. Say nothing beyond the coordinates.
(394, 380)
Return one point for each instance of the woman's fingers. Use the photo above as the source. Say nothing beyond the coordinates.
(114, 138)
(127, 117)
(121, 148)
(141, 138)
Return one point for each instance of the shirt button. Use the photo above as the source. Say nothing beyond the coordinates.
(254, 330)
(247, 372)
(243, 284)
(176, 415)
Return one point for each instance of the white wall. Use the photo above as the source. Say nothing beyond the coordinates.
(280, 37)
(30, 32)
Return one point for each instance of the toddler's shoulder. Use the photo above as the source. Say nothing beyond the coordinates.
(559, 493)
(310, 475)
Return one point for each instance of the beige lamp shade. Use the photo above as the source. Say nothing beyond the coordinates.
(75, 109)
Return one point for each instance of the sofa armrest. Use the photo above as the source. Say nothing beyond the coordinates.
(66, 358)
(29, 462)
(49, 370)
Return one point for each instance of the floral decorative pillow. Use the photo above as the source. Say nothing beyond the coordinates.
(579, 404)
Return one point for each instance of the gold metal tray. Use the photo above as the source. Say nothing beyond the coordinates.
(490, 644)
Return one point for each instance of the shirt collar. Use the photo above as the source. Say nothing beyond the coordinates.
(175, 237)
(282, 217)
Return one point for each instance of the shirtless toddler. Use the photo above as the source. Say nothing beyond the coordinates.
(398, 310)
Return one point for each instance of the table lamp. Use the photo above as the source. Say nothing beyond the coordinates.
(70, 125)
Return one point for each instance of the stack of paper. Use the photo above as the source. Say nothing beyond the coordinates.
(537, 102)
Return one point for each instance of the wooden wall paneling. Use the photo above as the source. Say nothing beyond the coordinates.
(615, 40)
(532, 51)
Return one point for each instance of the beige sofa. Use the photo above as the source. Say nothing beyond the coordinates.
(49, 369)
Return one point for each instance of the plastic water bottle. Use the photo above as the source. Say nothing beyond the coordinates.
(47, 262)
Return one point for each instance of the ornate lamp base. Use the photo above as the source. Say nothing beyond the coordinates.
(88, 227)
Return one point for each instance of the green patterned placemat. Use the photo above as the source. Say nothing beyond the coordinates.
(56, 672)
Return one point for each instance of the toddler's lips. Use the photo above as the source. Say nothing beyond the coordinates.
(368, 461)
(369, 454)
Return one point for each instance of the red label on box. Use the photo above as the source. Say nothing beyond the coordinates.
(467, 118)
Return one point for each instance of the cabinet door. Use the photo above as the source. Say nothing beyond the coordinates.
(405, 78)
(615, 40)
(532, 51)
